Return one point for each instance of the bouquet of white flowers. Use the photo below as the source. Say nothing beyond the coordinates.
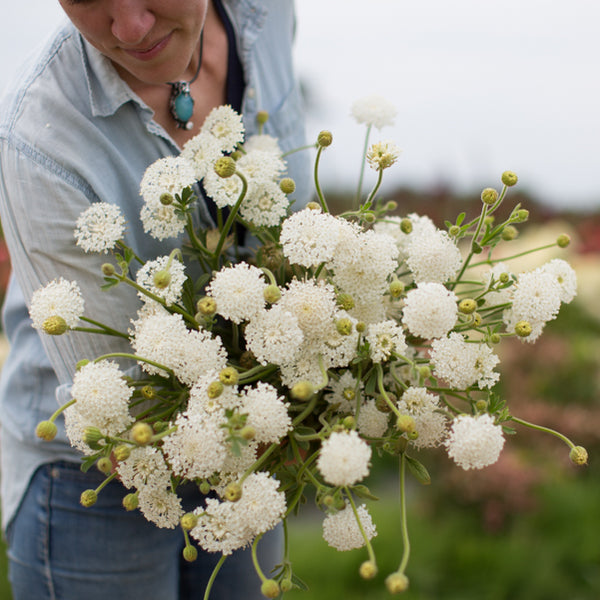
(285, 371)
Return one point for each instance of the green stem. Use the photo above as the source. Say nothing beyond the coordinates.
(317, 184)
(403, 522)
(376, 187)
(231, 218)
(125, 247)
(134, 357)
(106, 482)
(383, 392)
(213, 576)
(360, 527)
(307, 147)
(362, 168)
(505, 258)
(255, 558)
(553, 432)
(108, 330)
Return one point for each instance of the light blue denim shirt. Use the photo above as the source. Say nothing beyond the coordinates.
(72, 133)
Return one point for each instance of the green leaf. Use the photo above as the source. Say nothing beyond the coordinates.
(299, 583)
(88, 463)
(460, 218)
(418, 470)
(110, 282)
(362, 491)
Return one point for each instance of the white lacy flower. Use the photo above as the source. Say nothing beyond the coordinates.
(202, 151)
(274, 336)
(343, 392)
(338, 349)
(267, 413)
(474, 442)
(259, 165)
(374, 110)
(341, 531)
(225, 191)
(227, 526)
(430, 310)
(265, 205)
(499, 297)
(197, 449)
(433, 256)
(160, 506)
(371, 422)
(263, 142)
(99, 227)
(162, 222)
(462, 364)
(424, 408)
(226, 126)
(102, 397)
(238, 292)
(309, 237)
(170, 270)
(344, 458)
(384, 339)
(382, 155)
(204, 402)
(565, 276)
(168, 175)
(199, 354)
(59, 298)
(145, 467)
(305, 367)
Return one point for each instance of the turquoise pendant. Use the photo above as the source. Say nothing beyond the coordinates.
(181, 104)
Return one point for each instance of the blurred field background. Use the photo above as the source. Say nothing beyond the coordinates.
(525, 528)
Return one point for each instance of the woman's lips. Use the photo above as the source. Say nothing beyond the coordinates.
(148, 53)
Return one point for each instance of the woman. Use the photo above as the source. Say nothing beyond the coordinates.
(82, 124)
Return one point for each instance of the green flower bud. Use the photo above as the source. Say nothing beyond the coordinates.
(412, 435)
(523, 328)
(454, 230)
(369, 217)
(214, 389)
(391, 206)
(262, 116)
(349, 422)
(270, 588)
(286, 585)
(88, 498)
(236, 155)
(108, 269)
(509, 178)
(509, 233)
(349, 394)
(229, 376)
(578, 455)
(405, 423)
(141, 433)
(46, 430)
(166, 199)
(122, 452)
(104, 465)
(477, 319)
(563, 240)
(159, 426)
(207, 306)
(489, 220)
(248, 433)
(345, 301)
(481, 405)
(225, 167)
(344, 326)
(91, 436)
(503, 277)
(55, 325)
(328, 500)
(272, 294)
(406, 225)
(368, 569)
(188, 521)
(148, 392)
(361, 327)
(396, 288)
(130, 502)
(495, 338)
(477, 249)
(287, 185)
(489, 196)
(424, 372)
(162, 279)
(325, 139)
(467, 306)
(303, 390)
(521, 216)
(233, 492)
(396, 583)
(189, 553)
(204, 487)
(314, 206)
(81, 363)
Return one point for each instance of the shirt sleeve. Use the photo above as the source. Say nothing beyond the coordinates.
(39, 206)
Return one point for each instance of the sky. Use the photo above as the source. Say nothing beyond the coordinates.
(480, 86)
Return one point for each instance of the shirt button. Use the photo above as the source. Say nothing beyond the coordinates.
(251, 92)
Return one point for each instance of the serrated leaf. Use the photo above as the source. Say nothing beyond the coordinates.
(418, 470)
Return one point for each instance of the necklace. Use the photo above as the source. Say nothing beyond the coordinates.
(181, 103)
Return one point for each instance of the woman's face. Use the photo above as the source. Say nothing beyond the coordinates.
(149, 41)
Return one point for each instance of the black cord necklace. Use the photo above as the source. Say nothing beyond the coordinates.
(181, 103)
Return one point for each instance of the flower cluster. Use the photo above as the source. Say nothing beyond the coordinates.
(342, 338)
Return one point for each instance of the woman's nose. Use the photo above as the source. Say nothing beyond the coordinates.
(131, 21)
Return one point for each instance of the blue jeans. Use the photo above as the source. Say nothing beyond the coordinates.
(59, 550)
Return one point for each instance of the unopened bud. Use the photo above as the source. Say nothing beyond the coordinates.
(248, 433)
(55, 325)
(521, 216)
(406, 225)
(225, 167)
(578, 455)
(262, 116)
(405, 423)
(286, 585)
(361, 327)
(481, 405)
(229, 376)
(509, 178)
(476, 319)
(214, 389)
(369, 217)
(495, 338)
(162, 279)
(204, 487)
(46, 430)
(344, 326)
(396, 583)
(563, 240)
(325, 139)
(272, 294)
(287, 185)
(142, 433)
(104, 465)
(314, 206)
(88, 498)
(130, 502)
(503, 277)
(345, 301)
(188, 521)
(349, 422)
(270, 588)
(303, 390)
(523, 328)
(396, 288)
(207, 306)
(233, 492)
(509, 233)
(91, 436)
(467, 306)
(166, 199)
(189, 553)
(489, 196)
(391, 206)
(368, 569)
(108, 269)
(148, 392)
(454, 230)
(122, 452)
(81, 363)
(424, 371)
